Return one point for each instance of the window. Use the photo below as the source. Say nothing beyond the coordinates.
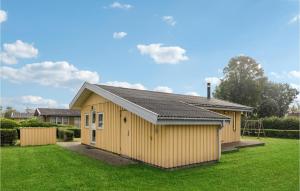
(234, 121)
(52, 120)
(77, 121)
(65, 120)
(86, 118)
(58, 120)
(93, 117)
(100, 120)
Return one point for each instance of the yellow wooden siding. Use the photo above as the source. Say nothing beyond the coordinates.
(172, 146)
(107, 138)
(37, 136)
(228, 133)
(163, 146)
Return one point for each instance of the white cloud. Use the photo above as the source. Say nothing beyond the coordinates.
(213, 80)
(17, 50)
(294, 74)
(126, 85)
(296, 86)
(7, 59)
(169, 20)
(295, 19)
(3, 16)
(163, 89)
(56, 74)
(38, 101)
(30, 101)
(117, 5)
(192, 93)
(119, 35)
(163, 55)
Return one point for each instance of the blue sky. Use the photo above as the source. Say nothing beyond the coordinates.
(48, 48)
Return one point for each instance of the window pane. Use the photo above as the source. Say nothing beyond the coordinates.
(58, 120)
(100, 119)
(93, 117)
(65, 120)
(86, 120)
(52, 120)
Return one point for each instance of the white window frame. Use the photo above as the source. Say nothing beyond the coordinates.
(62, 119)
(56, 121)
(100, 113)
(86, 126)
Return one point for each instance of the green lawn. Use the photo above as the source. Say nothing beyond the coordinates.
(272, 167)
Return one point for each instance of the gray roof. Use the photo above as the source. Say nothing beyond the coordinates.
(161, 108)
(19, 115)
(166, 105)
(56, 112)
(168, 102)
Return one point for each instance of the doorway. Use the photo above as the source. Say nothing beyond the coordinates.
(126, 133)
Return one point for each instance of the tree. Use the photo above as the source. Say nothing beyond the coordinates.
(282, 94)
(268, 108)
(8, 112)
(243, 81)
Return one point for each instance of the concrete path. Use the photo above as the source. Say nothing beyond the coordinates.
(95, 153)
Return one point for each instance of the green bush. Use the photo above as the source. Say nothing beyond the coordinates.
(286, 123)
(292, 134)
(65, 134)
(8, 123)
(8, 136)
(34, 122)
(76, 132)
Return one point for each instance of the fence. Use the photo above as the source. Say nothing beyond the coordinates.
(37, 136)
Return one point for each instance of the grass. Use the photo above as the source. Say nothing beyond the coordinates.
(271, 167)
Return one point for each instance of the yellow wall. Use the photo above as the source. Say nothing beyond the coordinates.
(164, 146)
(231, 132)
(37, 136)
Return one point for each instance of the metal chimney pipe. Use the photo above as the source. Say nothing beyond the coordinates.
(208, 90)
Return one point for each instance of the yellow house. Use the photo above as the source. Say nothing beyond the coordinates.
(162, 129)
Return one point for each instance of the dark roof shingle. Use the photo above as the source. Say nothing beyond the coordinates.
(57, 112)
(168, 105)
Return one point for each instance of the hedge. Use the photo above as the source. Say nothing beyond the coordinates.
(65, 134)
(36, 123)
(8, 123)
(292, 134)
(76, 132)
(286, 123)
(8, 136)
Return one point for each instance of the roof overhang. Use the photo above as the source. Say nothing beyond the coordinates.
(144, 113)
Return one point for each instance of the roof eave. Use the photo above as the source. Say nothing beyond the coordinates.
(175, 121)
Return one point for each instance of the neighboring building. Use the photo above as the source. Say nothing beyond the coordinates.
(162, 129)
(19, 116)
(59, 116)
(294, 114)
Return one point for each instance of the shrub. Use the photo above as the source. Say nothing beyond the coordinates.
(8, 136)
(8, 123)
(286, 123)
(65, 134)
(34, 122)
(76, 132)
(292, 134)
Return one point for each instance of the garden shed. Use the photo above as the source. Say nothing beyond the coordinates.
(162, 129)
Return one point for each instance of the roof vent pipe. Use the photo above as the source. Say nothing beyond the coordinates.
(208, 90)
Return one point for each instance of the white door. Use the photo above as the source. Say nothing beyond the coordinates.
(93, 127)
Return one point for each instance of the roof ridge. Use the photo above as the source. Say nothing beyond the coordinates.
(150, 91)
